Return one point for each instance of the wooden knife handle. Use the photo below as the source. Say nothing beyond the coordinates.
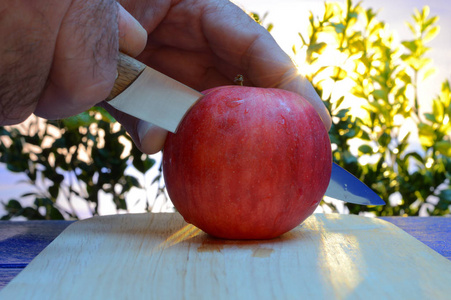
(128, 70)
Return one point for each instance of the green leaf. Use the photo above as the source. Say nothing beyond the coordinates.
(444, 147)
(17, 164)
(380, 94)
(32, 214)
(365, 149)
(304, 43)
(339, 28)
(445, 195)
(384, 140)
(416, 15)
(13, 205)
(350, 133)
(320, 70)
(342, 113)
(54, 214)
(33, 140)
(438, 110)
(425, 12)
(106, 117)
(28, 194)
(445, 94)
(133, 181)
(339, 101)
(349, 159)
(430, 117)
(143, 165)
(426, 134)
(416, 156)
(269, 27)
(54, 191)
(357, 45)
(405, 77)
(339, 74)
(428, 73)
(364, 136)
(411, 27)
(83, 119)
(43, 202)
(353, 15)
(411, 45)
(4, 132)
(431, 34)
(431, 21)
(317, 48)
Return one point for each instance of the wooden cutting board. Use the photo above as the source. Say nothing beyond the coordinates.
(159, 256)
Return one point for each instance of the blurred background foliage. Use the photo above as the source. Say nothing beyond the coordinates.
(380, 132)
(80, 158)
(369, 81)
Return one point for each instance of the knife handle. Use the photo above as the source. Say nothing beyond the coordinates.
(128, 69)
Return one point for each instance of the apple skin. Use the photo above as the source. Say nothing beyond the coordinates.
(248, 163)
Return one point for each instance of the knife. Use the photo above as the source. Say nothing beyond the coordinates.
(346, 187)
(149, 95)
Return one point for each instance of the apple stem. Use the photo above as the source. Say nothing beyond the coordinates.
(239, 79)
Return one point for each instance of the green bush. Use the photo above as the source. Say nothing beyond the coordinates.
(381, 77)
(80, 157)
(370, 88)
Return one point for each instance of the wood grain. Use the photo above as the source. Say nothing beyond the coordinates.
(128, 70)
(159, 256)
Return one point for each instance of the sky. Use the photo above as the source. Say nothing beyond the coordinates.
(291, 16)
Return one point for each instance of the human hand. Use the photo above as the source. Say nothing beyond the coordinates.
(58, 57)
(205, 44)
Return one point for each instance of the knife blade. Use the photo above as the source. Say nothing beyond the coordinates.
(156, 98)
(149, 95)
(346, 187)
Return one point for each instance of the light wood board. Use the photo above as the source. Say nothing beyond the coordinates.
(159, 256)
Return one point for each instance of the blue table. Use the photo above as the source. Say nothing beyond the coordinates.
(20, 242)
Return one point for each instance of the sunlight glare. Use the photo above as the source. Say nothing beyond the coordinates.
(303, 67)
(346, 269)
(445, 120)
(361, 69)
(429, 162)
(185, 233)
(398, 120)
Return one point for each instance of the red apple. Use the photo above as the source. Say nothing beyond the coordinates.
(248, 163)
